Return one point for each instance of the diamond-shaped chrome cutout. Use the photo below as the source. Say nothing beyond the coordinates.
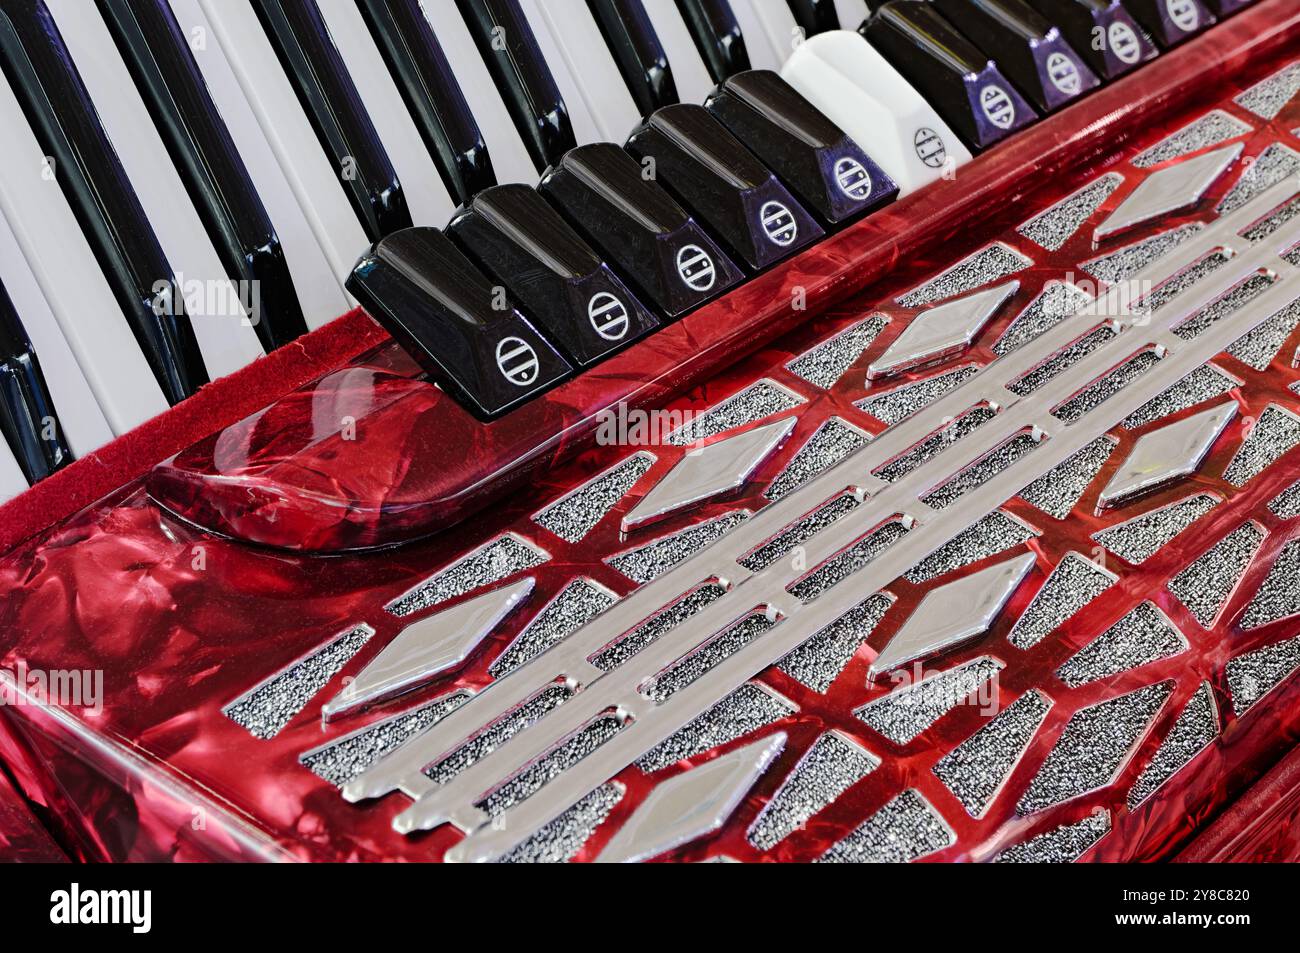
(940, 331)
(692, 804)
(1168, 190)
(1167, 454)
(428, 647)
(708, 471)
(953, 614)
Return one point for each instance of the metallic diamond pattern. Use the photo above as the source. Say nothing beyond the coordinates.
(492, 562)
(1166, 454)
(1142, 636)
(906, 712)
(1094, 746)
(574, 515)
(975, 770)
(940, 331)
(428, 648)
(707, 471)
(986, 266)
(829, 768)
(692, 804)
(953, 614)
(1276, 432)
(1140, 538)
(1196, 727)
(903, 830)
(825, 364)
(1168, 190)
(1204, 586)
(1074, 583)
(1053, 228)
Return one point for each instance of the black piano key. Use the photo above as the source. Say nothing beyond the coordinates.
(332, 104)
(27, 416)
(723, 183)
(717, 36)
(1102, 32)
(1026, 48)
(826, 169)
(639, 227)
(159, 58)
(816, 16)
(963, 85)
(432, 95)
(636, 49)
(1170, 21)
(562, 284)
(56, 103)
(454, 322)
(508, 47)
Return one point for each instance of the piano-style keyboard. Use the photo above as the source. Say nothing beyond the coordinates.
(774, 388)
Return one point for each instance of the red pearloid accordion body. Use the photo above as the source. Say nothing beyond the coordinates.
(1047, 653)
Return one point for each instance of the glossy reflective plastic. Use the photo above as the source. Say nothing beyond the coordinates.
(328, 97)
(158, 55)
(828, 171)
(723, 183)
(561, 283)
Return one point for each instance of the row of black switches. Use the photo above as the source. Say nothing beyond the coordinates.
(604, 249)
(1031, 53)
(458, 325)
(601, 190)
(524, 243)
(958, 79)
(826, 169)
(708, 170)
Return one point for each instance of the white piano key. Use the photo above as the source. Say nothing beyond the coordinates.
(426, 194)
(510, 160)
(226, 337)
(689, 72)
(769, 29)
(852, 13)
(319, 293)
(305, 164)
(841, 74)
(600, 106)
(12, 481)
(69, 277)
(82, 421)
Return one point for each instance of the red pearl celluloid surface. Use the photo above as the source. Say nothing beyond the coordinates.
(181, 620)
